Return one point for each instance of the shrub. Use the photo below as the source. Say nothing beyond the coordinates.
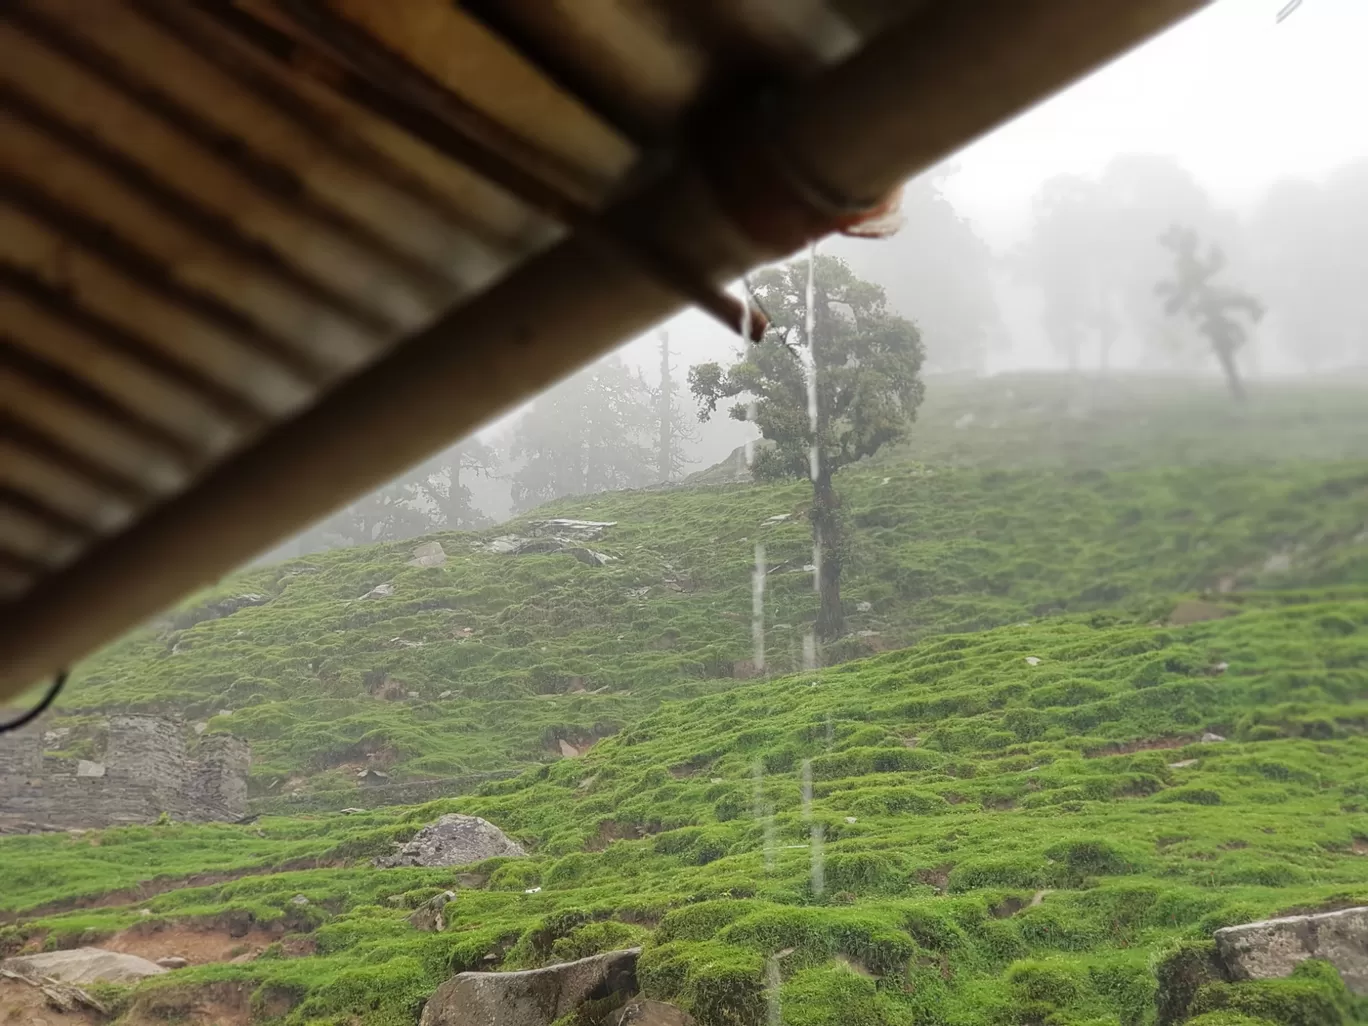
(834, 994)
(594, 938)
(1180, 972)
(1314, 995)
(866, 872)
(883, 801)
(1006, 873)
(1077, 860)
(702, 920)
(1047, 985)
(718, 984)
(1191, 796)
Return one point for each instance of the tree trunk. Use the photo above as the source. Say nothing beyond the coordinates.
(665, 454)
(826, 539)
(1232, 372)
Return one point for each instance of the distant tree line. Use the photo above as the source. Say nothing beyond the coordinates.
(1115, 256)
(602, 429)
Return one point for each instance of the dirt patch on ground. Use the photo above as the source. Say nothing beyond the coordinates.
(215, 1004)
(610, 830)
(1153, 744)
(22, 1004)
(1196, 611)
(936, 876)
(160, 885)
(199, 945)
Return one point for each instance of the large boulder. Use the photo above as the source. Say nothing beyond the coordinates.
(1273, 948)
(84, 965)
(535, 997)
(454, 840)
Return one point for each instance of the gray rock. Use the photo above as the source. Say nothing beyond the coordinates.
(454, 840)
(864, 607)
(380, 591)
(536, 997)
(428, 554)
(84, 965)
(645, 1012)
(86, 768)
(565, 527)
(1210, 738)
(430, 917)
(1273, 948)
(588, 556)
(543, 544)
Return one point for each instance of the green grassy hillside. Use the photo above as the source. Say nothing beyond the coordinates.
(992, 806)
(1017, 498)
(1009, 828)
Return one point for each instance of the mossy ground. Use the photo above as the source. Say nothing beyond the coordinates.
(1017, 821)
(1030, 508)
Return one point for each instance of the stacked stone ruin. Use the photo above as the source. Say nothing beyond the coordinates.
(146, 770)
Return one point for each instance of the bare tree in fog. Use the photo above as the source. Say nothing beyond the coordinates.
(1211, 306)
(593, 432)
(867, 363)
(1093, 253)
(673, 426)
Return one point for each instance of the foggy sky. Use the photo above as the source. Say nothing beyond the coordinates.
(1237, 98)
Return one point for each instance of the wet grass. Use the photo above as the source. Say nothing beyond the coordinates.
(1025, 511)
(1017, 826)
(1013, 822)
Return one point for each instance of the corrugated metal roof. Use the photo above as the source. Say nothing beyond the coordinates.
(217, 215)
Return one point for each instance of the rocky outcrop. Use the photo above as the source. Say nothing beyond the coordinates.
(84, 965)
(215, 610)
(146, 769)
(454, 840)
(560, 535)
(1274, 947)
(430, 917)
(536, 997)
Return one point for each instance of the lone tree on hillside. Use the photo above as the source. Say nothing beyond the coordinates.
(867, 364)
(1210, 306)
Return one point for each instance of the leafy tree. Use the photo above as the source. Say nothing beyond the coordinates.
(1210, 306)
(591, 433)
(866, 363)
(437, 488)
(386, 514)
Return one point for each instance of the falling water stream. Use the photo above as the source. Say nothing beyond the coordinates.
(763, 810)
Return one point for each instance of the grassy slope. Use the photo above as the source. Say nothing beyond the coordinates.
(1022, 781)
(1023, 777)
(1031, 506)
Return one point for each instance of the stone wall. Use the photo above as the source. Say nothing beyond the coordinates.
(146, 770)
